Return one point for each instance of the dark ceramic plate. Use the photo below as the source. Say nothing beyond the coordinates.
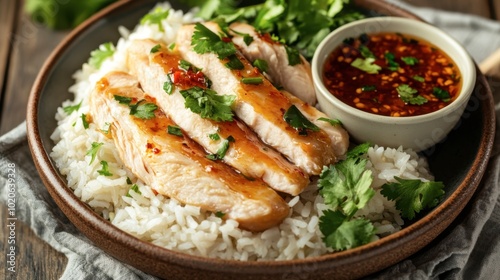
(459, 162)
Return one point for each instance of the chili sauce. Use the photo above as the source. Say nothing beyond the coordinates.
(392, 74)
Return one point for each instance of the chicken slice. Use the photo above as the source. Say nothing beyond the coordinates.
(174, 165)
(247, 153)
(262, 107)
(296, 79)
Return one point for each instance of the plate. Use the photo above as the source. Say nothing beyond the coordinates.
(459, 162)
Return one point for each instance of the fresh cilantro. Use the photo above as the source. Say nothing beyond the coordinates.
(419, 78)
(204, 41)
(297, 120)
(85, 122)
(335, 122)
(391, 61)
(412, 196)
(220, 214)
(171, 46)
(366, 65)
(168, 86)
(246, 37)
(261, 65)
(155, 17)
(186, 66)
(234, 63)
(368, 88)
(155, 49)
(366, 52)
(358, 151)
(214, 136)
(143, 110)
(129, 182)
(104, 169)
(174, 130)
(293, 56)
(98, 56)
(221, 152)
(441, 94)
(72, 108)
(208, 104)
(340, 233)
(123, 99)
(252, 80)
(92, 152)
(410, 95)
(133, 188)
(409, 60)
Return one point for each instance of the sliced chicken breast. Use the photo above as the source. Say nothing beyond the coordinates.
(262, 107)
(246, 153)
(296, 79)
(176, 166)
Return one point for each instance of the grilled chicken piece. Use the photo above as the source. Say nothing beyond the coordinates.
(247, 153)
(176, 166)
(262, 107)
(296, 79)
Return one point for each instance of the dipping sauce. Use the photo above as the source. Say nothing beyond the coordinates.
(392, 74)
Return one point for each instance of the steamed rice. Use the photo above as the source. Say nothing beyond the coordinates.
(170, 224)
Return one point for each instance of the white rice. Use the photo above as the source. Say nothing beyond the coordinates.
(170, 224)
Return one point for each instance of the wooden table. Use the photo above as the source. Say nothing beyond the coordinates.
(24, 46)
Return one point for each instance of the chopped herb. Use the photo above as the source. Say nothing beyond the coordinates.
(297, 120)
(171, 46)
(391, 61)
(293, 56)
(84, 121)
(155, 17)
(123, 99)
(129, 182)
(208, 104)
(214, 136)
(106, 127)
(368, 88)
(246, 37)
(234, 63)
(98, 56)
(204, 41)
(366, 52)
(134, 188)
(419, 78)
(252, 80)
(441, 94)
(143, 110)
(359, 150)
(409, 60)
(70, 109)
(104, 169)
(220, 214)
(221, 152)
(335, 122)
(366, 65)
(410, 95)
(186, 66)
(155, 48)
(261, 65)
(168, 86)
(174, 130)
(93, 151)
(412, 196)
(342, 233)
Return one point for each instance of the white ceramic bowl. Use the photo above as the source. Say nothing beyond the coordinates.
(416, 132)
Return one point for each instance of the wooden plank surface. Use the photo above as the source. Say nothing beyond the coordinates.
(31, 46)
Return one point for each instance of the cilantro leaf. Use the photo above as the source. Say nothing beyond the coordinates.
(221, 152)
(409, 60)
(205, 40)
(441, 94)
(123, 99)
(143, 110)
(342, 234)
(335, 122)
(347, 185)
(366, 52)
(104, 169)
(220, 214)
(133, 188)
(168, 86)
(366, 65)
(297, 120)
(98, 56)
(72, 108)
(92, 152)
(391, 61)
(155, 49)
(155, 17)
(368, 88)
(214, 136)
(359, 150)
(85, 122)
(419, 78)
(261, 65)
(174, 130)
(412, 196)
(293, 56)
(410, 95)
(208, 104)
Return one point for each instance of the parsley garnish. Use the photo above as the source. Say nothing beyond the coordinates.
(155, 49)
(98, 56)
(122, 99)
(143, 110)
(366, 52)
(214, 136)
(293, 56)
(342, 233)
(419, 78)
(234, 63)
(204, 41)
(246, 37)
(134, 188)
(168, 86)
(335, 122)
(104, 169)
(186, 66)
(221, 152)
(93, 151)
(155, 17)
(70, 109)
(174, 130)
(412, 196)
(84, 121)
(441, 94)
(410, 95)
(409, 60)
(208, 104)
(391, 61)
(261, 65)
(366, 65)
(297, 120)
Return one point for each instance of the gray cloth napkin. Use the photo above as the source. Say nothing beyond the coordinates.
(469, 249)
